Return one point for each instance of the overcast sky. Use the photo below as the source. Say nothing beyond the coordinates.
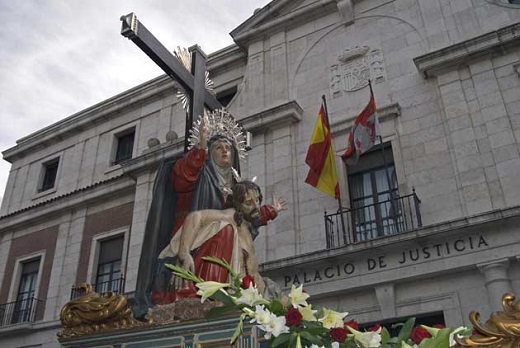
(60, 57)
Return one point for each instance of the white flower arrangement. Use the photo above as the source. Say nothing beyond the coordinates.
(291, 322)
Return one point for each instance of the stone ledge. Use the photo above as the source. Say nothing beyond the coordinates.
(374, 244)
(268, 20)
(433, 63)
(150, 158)
(287, 112)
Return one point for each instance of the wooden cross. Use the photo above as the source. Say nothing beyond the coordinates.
(192, 82)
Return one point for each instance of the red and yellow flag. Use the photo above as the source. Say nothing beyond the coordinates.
(363, 133)
(320, 158)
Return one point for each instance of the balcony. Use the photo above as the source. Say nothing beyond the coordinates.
(21, 311)
(391, 217)
(102, 288)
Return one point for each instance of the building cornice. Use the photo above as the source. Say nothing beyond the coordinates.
(225, 59)
(303, 260)
(436, 62)
(91, 116)
(55, 206)
(268, 20)
(279, 114)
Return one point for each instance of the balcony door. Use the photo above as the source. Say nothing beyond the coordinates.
(108, 277)
(373, 195)
(25, 299)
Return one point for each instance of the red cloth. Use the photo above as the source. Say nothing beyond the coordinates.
(184, 177)
(219, 246)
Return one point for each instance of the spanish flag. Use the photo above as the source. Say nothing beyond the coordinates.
(320, 158)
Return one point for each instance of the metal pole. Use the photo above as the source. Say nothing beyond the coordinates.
(340, 206)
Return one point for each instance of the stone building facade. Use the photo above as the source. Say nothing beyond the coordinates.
(434, 235)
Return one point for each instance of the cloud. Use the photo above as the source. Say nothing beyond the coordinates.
(60, 57)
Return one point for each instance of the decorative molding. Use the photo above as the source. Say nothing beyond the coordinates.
(501, 330)
(448, 58)
(516, 67)
(268, 20)
(346, 10)
(287, 112)
(93, 313)
(357, 65)
(351, 53)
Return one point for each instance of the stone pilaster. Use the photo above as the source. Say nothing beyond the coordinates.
(497, 281)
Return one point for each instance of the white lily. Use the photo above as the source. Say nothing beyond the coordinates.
(455, 332)
(369, 339)
(262, 316)
(308, 313)
(251, 297)
(274, 327)
(297, 296)
(208, 288)
(332, 318)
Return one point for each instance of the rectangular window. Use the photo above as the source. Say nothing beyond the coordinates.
(108, 275)
(125, 146)
(374, 195)
(25, 304)
(50, 171)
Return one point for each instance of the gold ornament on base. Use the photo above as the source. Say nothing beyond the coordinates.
(93, 313)
(502, 330)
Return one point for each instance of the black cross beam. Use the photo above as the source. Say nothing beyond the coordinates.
(192, 82)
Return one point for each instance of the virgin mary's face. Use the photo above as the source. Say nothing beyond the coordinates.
(222, 153)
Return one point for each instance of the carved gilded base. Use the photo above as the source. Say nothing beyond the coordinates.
(93, 313)
(185, 309)
(502, 330)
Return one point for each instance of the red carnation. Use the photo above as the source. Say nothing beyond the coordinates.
(418, 334)
(353, 324)
(247, 281)
(375, 327)
(338, 334)
(293, 317)
(439, 326)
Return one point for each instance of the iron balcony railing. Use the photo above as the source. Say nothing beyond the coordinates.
(102, 288)
(354, 225)
(21, 311)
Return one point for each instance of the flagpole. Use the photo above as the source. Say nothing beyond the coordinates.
(340, 206)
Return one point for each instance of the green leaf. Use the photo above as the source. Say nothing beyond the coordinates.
(385, 337)
(276, 308)
(318, 331)
(223, 297)
(218, 312)
(280, 340)
(311, 338)
(442, 339)
(292, 340)
(406, 330)
(312, 324)
(238, 330)
(184, 273)
(222, 263)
